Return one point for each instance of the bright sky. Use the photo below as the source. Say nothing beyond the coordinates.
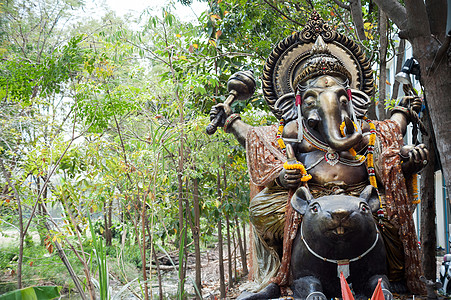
(135, 7)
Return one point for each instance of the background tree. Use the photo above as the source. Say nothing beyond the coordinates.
(423, 24)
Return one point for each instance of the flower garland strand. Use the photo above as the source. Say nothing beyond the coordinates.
(370, 156)
(279, 136)
(370, 165)
(360, 158)
(416, 197)
(298, 165)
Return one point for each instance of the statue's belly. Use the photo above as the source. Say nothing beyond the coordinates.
(344, 170)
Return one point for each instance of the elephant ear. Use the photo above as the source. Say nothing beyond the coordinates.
(371, 196)
(360, 103)
(301, 200)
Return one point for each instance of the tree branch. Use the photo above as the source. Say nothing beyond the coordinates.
(280, 12)
(356, 12)
(395, 11)
(342, 5)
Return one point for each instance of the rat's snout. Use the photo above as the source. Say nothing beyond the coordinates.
(340, 215)
(339, 218)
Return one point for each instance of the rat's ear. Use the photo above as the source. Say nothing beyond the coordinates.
(370, 195)
(301, 200)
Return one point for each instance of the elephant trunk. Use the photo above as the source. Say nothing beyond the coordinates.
(333, 135)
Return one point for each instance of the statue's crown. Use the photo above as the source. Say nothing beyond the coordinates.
(314, 51)
(322, 62)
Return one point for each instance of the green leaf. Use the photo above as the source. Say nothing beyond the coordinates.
(33, 293)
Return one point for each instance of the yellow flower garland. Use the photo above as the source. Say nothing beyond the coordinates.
(370, 160)
(279, 135)
(370, 156)
(360, 158)
(416, 197)
(299, 166)
(287, 166)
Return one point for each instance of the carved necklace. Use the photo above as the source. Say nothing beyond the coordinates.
(331, 156)
(342, 264)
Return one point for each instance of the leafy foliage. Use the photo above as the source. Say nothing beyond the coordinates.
(109, 124)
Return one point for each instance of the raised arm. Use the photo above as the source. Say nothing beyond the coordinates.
(232, 123)
(401, 113)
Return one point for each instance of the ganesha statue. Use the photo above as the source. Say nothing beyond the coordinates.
(318, 84)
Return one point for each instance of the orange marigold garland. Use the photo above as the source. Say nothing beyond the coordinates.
(416, 197)
(298, 165)
(370, 165)
(360, 158)
(279, 136)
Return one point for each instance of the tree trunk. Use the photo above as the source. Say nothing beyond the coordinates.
(220, 245)
(181, 245)
(244, 240)
(107, 216)
(229, 244)
(143, 247)
(418, 25)
(136, 225)
(356, 12)
(157, 263)
(160, 282)
(234, 255)
(437, 84)
(372, 110)
(242, 248)
(7, 176)
(196, 231)
(188, 222)
(40, 222)
(229, 253)
(383, 65)
(428, 235)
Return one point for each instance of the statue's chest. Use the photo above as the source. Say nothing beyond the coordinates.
(329, 167)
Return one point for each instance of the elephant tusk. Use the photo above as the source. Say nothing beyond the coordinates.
(349, 126)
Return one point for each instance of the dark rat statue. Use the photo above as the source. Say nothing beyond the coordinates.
(338, 234)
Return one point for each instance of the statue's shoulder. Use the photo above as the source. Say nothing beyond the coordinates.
(290, 131)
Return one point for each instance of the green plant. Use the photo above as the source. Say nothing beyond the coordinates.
(101, 259)
(33, 293)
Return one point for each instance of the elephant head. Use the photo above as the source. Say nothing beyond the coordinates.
(325, 106)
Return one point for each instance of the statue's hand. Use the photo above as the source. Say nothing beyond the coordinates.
(414, 101)
(414, 158)
(220, 109)
(290, 178)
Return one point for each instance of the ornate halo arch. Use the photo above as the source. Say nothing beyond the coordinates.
(286, 60)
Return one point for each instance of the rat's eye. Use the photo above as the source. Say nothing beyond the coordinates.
(315, 208)
(364, 207)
